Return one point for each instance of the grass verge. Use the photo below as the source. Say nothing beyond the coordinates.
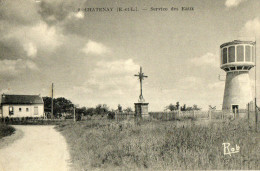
(160, 145)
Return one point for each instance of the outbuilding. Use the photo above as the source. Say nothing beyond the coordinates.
(22, 106)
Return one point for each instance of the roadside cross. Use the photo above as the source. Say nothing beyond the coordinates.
(141, 77)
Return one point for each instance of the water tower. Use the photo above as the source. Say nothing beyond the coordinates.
(237, 58)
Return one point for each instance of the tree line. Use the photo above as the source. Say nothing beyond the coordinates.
(63, 106)
(177, 106)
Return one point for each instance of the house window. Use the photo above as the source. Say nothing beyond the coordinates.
(27, 109)
(35, 110)
(20, 109)
(11, 110)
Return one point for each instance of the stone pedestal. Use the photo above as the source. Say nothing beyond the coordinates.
(141, 110)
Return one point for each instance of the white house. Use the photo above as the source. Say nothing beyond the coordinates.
(22, 106)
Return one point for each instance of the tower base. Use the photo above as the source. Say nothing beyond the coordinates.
(238, 91)
(141, 110)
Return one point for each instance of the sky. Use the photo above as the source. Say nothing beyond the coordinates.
(92, 57)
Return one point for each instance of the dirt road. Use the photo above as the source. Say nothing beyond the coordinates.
(41, 148)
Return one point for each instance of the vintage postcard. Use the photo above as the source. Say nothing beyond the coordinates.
(129, 85)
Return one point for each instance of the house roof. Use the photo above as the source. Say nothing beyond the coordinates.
(21, 99)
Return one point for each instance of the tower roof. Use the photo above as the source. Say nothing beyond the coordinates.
(237, 42)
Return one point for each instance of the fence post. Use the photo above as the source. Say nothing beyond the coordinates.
(248, 116)
(256, 117)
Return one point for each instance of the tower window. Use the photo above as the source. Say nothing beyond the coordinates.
(253, 53)
(231, 54)
(20, 109)
(240, 53)
(224, 55)
(248, 53)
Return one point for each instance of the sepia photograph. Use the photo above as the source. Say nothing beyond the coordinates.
(129, 85)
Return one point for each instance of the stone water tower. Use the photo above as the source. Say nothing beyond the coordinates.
(237, 58)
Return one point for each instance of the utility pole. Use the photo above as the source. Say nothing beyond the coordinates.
(52, 101)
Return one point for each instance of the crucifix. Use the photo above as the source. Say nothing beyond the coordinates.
(141, 77)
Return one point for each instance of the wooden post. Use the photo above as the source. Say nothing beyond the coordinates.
(52, 116)
(74, 113)
(235, 113)
(248, 113)
(256, 117)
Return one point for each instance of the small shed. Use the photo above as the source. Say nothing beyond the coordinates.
(22, 106)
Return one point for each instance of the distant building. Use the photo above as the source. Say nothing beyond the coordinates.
(22, 106)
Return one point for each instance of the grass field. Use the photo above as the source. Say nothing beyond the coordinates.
(5, 130)
(160, 145)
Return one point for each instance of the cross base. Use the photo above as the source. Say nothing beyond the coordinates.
(141, 110)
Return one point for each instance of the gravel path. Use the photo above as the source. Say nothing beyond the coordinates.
(41, 148)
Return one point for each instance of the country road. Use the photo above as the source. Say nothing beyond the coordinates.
(41, 148)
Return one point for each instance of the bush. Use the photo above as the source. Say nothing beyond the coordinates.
(5, 130)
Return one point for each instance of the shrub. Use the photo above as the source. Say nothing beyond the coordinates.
(5, 130)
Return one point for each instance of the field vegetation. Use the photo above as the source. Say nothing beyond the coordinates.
(159, 145)
(5, 130)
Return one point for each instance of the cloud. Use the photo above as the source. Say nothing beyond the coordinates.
(30, 49)
(109, 82)
(40, 35)
(116, 76)
(233, 3)
(95, 48)
(190, 83)
(31, 65)
(8, 66)
(207, 59)
(11, 68)
(76, 15)
(251, 29)
(220, 85)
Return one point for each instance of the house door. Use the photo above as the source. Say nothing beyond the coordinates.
(235, 111)
(35, 110)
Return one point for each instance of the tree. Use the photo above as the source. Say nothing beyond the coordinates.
(171, 107)
(195, 107)
(101, 109)
(119, 108)
(90, 111)
(177, 105)
(60, 105)
(128, 110)
(183, 108)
